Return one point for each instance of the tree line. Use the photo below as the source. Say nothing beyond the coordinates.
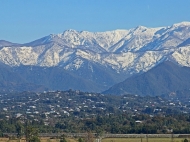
(116, 124)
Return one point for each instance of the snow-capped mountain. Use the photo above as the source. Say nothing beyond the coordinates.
(117, 53)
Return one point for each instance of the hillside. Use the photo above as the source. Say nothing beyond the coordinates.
(166, 78)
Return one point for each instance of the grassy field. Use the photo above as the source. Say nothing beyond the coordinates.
(106, 140)
(41, 139)
(143, 140)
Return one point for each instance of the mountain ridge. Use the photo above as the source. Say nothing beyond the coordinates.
(164, 79)
(91, 56)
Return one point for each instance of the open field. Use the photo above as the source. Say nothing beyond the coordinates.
(143, 140)
(46, 139)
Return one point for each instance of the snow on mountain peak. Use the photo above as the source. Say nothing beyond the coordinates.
(185, 23)
(73, 38)
(132, 50)
(140, 28)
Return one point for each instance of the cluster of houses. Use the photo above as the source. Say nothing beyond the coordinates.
(56, 104)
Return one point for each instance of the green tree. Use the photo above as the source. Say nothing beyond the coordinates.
(185, 140)
(34, 139)
(19, 129)
(63, 139)
(32, 134)
(80, 140)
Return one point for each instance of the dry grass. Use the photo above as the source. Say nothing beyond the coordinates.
(14, 140)
(143, 140)
(46, 139)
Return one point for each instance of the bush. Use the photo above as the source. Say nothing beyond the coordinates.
(34, 139)
(63, 140)
(185, 140)
(80, 140)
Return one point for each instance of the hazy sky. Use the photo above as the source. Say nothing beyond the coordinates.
(23, 21)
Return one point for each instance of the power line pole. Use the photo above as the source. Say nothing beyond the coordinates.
(26, 129)
(172, 136)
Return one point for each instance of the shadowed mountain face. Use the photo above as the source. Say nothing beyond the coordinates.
(12, 81)
(165, 78)
(4, 43)
(55, 78)
(29, 78)
(35, 78)
(185, 43)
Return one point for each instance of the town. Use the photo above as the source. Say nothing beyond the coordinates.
(76, 111)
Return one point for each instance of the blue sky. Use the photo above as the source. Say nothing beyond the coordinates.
(23, 21)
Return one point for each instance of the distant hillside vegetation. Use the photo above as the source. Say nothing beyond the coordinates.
(165, 78)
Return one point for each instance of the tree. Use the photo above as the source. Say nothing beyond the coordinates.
(80, 140)
(34, 139)
(89, 137)
(185, 140)
(19, 129)
(63, 139)
(32, 134)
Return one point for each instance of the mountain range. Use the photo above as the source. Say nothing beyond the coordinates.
(92, 61)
